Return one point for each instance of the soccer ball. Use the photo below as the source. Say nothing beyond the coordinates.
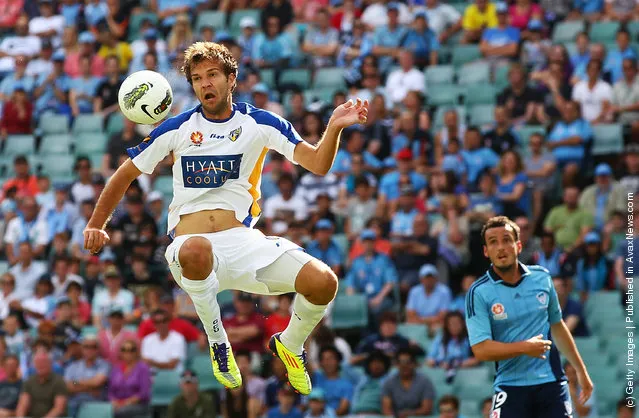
(145, 97)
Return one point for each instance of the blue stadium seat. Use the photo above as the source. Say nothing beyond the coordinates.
(115, 123)
(268, 77)
(463, 54)
(415, 332)
(608, 139)
(88, 123)
(214, 18)
(480, 93)
(19, 145)
(299, 77)
(329, 77)
(482, 114)
(237, 15)
(443, 94)
(166, 386)
(164, 185)
(439, 74)
(55, 144)
(201, 364)
(225, 297)
(604, 31)
(4, 267)
(89, 330)
(473, 73)
(90, 143)
(350, 312)
(53, 124)
(95, 410)
(567, 31)
(136, 21)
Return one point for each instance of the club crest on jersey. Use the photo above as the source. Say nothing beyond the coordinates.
(498, 311)
(197, 138)
(235, 133)
(542, 297)
(209, 171)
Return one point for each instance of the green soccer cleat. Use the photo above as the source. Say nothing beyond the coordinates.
(295, 365)
(225, 369)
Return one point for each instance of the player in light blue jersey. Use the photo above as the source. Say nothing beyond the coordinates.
(513, 318)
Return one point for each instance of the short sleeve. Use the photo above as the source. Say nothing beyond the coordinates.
(413, 299)
(280, 133)
(477, 319)
(148, 153)
(554, 309)
(60, 388)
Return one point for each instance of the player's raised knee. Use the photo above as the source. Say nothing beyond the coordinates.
(196, 258)
(325, 287)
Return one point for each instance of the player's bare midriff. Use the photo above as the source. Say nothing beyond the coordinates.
(207, 221)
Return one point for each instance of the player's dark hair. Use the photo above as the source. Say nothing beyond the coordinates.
(202, 51)
(449, 399)
(499, 222)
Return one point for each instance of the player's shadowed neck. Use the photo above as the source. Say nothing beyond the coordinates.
(510, 277)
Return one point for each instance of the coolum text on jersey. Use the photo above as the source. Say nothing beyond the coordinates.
(210, 171)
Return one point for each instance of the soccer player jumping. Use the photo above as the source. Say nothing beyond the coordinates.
(511, 312)
(218, 149)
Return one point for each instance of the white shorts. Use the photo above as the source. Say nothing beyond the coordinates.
(247, 260)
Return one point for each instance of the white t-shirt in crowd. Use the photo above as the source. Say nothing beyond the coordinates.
(26, 279)
(399, 83)
(439, 17)
(592, 100)
(171, 348)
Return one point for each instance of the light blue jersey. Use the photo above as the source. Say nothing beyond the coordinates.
(499, 311)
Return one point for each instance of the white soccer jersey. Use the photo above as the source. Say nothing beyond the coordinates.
(217, 163)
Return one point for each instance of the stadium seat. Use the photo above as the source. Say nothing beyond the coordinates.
(437, 376)
(501, 77)
(299, 77)
(164, 185)
(166, 386)
(201, 364)
(588, 344)
(236, 16)
(439, 74)
(53, 124)
(443, 94)
(482, 114)
(473, 73)
(463, 54)
(115, 123)
(324, 94)
(608, 139)
(89, 330)
(95, 410)
(633, 28)
(481, 93)
(602, 374)
(567, 31)
(473, 392)
(415, 332)
(329, 77)
(474, 375)
(89, 122)
(225, 297)
(19, 145)
(90, 143)
(603, 31)
(469, 408)
(350, 311)
(603, 300)
(136, 22)
(214, 18)
(55, 144)
(526, 131)
(96, 159)
(268, 77)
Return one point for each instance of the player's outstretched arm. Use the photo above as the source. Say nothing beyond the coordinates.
(566, 345)
(319, 159)
(490, 350)
(94, 235)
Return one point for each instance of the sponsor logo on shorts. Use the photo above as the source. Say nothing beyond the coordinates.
(498, 311)
(132, 97)
(210, 171)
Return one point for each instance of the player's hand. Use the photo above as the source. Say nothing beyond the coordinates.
(538, 347)
(350, 113)
(586, 386)
(95, 239)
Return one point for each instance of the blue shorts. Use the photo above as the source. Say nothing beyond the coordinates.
(547, 400)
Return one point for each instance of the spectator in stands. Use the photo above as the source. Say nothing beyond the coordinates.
(582, 409)
(110, 46)
(44, 393)
(80, 307)
(389, 183)
(361, 206)
(62, 275)
(130, 383)
(619, 10)
(630, 175)
(274, 49)
(386, 340)
(322, 336)
(568, 222)
(625, 97)
(186, 328)
(51, 89)
(422, 42)
(624, 410)
(191, 402)
(180, 36)
(321, 41)
(164, 349)
(502, 137)
(568, 141)
(47, 24)
(484, 204)
(408, 392)
(317, 407)
(95, 12)
(283, 10)
(571, 309)
(373, 275)
(403, 217)
(16, 114)
(83, 88)
(45, 195)
(597, 53)
(245, 329)
(512, 186)
(519, 99)
(112, 338)
(549, 255)
(61, 213)
(592, 268)
(477, 17)
(540, 169)
(476, 157)
(522, 12)
(249, 399)
(25, 272)
(67, 329)
(112, 296)
(26, 228)
(368, 392)
(279, 318)
(338, 391)
(613, 65)
(443, 19)
(118, 143)
(428, 302)
(594, 95)
(406, 78)
(94, 65)
(604, 197)
(20, 42)
(10, 386)
(453, 129)
(589, 9)
(259, 95)
(388, 38)
(18, 78)
(86, 379)
(459, 302)
(286, 409)
(128, 227)
(451, 349)
(501, 41)
(153, 46)
(106, 93)
(12, 334)
(325, 248)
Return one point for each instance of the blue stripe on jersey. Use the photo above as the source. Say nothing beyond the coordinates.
(168, 125)
(247, 221)
(470, 302)
(263, 117)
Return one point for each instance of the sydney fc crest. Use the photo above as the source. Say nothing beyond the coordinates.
(542, 297)
(235, 133)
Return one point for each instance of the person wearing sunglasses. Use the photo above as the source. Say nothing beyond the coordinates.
(86, 378)
(191, 402)
(130, 383)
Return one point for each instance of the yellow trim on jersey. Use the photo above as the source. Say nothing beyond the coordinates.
(255, 179)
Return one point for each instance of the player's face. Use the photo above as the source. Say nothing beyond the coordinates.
(212, 87)
(501, 247)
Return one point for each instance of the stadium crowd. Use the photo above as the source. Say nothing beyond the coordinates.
(526, 109)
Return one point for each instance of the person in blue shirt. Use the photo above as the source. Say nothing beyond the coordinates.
(572, 311)
(367, 397)
(338, 391)
(568, 139)
(510, 314)
(390, 182)
(83, 89)
(614, 59)
(324, 248)
(582, 53)
(550, 255)
(422, 42)
(476, 157)
(372, 274)
(52, 89)
(388, 38)
(501, 41)
(317, 407)
(274, 49)
(286, 408)
(450, 350)
(428, 301)
(404, 217)
(512, 185)
(593, 268)
(590, 9)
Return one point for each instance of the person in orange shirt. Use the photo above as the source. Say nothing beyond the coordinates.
(25, 182)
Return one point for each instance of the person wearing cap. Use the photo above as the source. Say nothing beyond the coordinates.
(317, 407)
(321, 41)
(259, 94)
(191, 402)
(630, 175)
(423, 43)
(390, 182)
(593, 267)
(113, 295)
(274, 48)
(502, 40)
(478, 17)
(324, 248)
(476, 157)
(51, 88)
(286, 408)
(428, 301)
(41, 63)
(604, 197)
(117, 145)
(247, 38)
(86, 378)
(61, 214)
(402, 220)
(18, 78)
(388, 38)
(73, 66)
(372, 274)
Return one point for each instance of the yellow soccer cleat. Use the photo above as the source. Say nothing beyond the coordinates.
(225, 369)
(295, 365)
